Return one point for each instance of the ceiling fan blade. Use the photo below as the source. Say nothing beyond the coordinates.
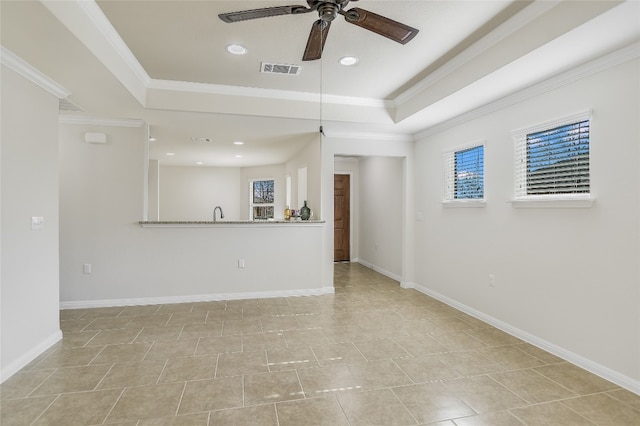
(382, 25)
(266, 12)
(317, 38)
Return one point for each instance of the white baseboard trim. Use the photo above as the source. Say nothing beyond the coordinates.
(29, 356)
(380, 270)
(593, 367)
(194, 298)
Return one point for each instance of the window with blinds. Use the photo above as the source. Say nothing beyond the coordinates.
(554, 160)
(464, 170)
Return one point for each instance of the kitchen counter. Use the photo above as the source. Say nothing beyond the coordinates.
(229, 223)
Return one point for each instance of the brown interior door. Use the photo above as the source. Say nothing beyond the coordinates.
(341, 231)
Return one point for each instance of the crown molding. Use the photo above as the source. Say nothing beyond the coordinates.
(603, 63)
(255, 92)
(79, 120)
(503, 31)
(22, 67)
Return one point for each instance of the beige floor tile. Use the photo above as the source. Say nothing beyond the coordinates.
(74, 324)
(328, 380)
(494, 337)
(575, 378)
(182, 318)
(161, 351)
(532, 387)
(373, 349)
(107, 312)
(194, 331)
(21, 384)
(341, 353)
(418, 345)
(175, 308)
(70, 357)
(88, 408)
(551, 413)
(23, 411)
(67, 314)
(484, 394)
(378, 407)
(279, 323)
(344, 333)
(502, 418)
(459, 341)
(149, 321)
(146, 402)
(218, 345)
(432, 402)
(542, 355)
(451, 325)
(216, 305)
(191, 368)
(510, 357)
(379, 374)
(311, 412)
(138, 310)
(241, 327)
(74, 339)
(263, 415)
(122, 353)
(425, 369)
(212, 394)
(258, 312)
(272, 387)
(224, 315)
(200, 419)
(132, 374)
(232, 364)
(111, 323)
(603, 409)
(292, 358)
(629, 398)
(252, 342)
(114, 337)
(72, 379)
(305, 337)
(153, 334)
(469, 363)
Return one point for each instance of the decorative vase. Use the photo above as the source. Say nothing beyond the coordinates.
(305, 212)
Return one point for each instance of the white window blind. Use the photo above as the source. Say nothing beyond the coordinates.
(552, 159)
(464, 173)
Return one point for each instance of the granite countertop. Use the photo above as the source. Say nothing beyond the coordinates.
(227, 222)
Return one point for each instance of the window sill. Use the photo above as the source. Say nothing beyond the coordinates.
(476, 203)
(553, 202)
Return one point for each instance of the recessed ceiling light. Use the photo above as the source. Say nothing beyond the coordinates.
(238, 156)
(170, 154)
(152, 139)
(238, 143)
(236, 49)
(349, 61)
(199, 163)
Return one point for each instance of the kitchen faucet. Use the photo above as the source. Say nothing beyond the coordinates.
(214, 213)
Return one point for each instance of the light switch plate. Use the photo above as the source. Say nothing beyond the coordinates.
(37, 222)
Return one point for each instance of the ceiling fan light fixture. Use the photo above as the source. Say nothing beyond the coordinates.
(237, 49)
(349, 61)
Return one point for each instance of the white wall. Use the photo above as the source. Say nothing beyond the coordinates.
(29, 283)
(308, 157)
(380, 220)
(567, 277)
(191, 193)
(363, 145)
(101, 202)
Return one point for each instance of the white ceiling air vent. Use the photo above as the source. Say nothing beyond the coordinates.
(66, 105)
(201, 139)
(269, 68)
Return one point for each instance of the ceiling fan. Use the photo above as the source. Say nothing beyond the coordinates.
(327, 12)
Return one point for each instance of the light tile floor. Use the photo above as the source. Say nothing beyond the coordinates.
(372, 354)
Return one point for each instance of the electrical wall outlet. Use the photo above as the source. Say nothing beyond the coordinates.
(37, 222)
(492, 280)
(240, 263)
(86, 268)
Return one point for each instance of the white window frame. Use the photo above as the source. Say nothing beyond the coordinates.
(252, 204)
(450, 178)
(523, 200)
